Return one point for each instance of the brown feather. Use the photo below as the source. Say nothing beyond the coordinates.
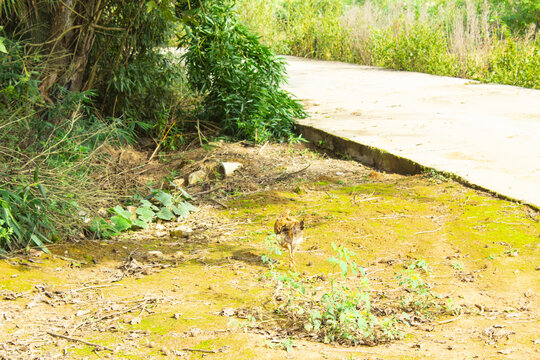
(290, 231)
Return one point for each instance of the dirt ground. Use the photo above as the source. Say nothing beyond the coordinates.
(155, 294)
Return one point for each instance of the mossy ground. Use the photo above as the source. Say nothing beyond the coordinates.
(483, 252)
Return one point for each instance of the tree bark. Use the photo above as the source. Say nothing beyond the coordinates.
(71, 37)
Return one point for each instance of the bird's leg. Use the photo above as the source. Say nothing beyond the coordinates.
(289, 249)
(291, 257)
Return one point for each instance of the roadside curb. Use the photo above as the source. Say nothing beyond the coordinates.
(384, 160)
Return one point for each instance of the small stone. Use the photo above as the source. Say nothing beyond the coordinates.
(181, 231)
(151, 344)
(179, 182)
(196, 177)
(228, 168)
(161, 233)
(176, 316)
(160, 227)
(194, 332)
(155, 253)
(506, 351)
(165, 351)
(228, 312)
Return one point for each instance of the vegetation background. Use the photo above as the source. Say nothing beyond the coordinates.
(76, 76)
(487, 40)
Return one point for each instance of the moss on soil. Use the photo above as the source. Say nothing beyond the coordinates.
(443, 223)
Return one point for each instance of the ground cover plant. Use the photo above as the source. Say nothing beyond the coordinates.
(490, 41)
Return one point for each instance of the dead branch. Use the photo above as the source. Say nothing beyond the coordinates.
(95, 286)
(80, 340)
(200, 350)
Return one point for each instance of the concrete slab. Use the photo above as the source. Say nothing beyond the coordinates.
(489, 135)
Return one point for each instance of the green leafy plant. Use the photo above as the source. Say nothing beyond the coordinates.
(347, 312)
(158, 205)
(285, 344)
(239, 77)
(419, 297)
(23, 215)
(340, 314)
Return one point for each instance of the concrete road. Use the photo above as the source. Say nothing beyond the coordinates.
(489, 135)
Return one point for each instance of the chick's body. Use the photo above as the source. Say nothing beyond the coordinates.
(290, 232)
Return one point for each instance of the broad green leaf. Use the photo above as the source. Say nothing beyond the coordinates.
(145, 214)
(121, 223)
(164, 198)
(183, 209)
(42, 191)
(147, 204)
(2, 46)
(185, 195)
(140, 223)
(122, 212)
(165, 214)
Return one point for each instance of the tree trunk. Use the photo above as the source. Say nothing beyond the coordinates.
(71, 37)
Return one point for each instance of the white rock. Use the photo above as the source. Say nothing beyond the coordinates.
(160, 227)
(178, 182)
(228, 168)
(182, 231)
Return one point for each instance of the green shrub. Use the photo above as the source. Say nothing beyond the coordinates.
(314, 28)
(24, 221)
(515, 62)
(421, 48)
(452, 38)
(239, 77)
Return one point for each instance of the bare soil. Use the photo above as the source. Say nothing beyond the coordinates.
(153, 294)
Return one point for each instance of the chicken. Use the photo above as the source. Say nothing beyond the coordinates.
(290, 232)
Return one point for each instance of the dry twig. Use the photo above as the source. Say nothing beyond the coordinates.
(95, 286)
(200, 350)
(80, 340)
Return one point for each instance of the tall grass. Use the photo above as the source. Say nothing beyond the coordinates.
(49, 154)
(453, 38)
